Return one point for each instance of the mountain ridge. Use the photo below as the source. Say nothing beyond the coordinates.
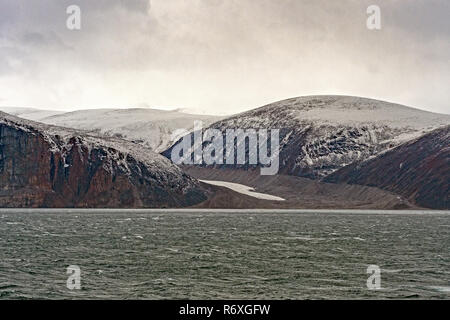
(49, 166)
(419, 170)
(320, 134)
(320, 137)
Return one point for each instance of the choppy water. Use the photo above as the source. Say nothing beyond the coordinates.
(224, 255)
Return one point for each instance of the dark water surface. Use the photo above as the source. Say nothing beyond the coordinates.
(223, 254)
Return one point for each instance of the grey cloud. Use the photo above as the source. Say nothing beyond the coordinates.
(49, 40)
(421, 19)
(187, 53)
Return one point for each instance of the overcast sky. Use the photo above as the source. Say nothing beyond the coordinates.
(222, 56)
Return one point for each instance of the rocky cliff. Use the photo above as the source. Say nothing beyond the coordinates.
(48, 166)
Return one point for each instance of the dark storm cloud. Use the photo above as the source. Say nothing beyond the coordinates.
(222, 55)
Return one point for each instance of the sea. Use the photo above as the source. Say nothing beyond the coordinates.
(224, 254)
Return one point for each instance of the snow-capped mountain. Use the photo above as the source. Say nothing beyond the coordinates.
(151, 128)
(30, 113)
(320, 134)
(48, 166)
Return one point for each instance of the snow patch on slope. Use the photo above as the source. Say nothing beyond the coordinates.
(240, 188)
(149, 127)
(30, 113)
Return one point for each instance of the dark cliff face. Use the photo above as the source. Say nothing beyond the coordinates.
(418, 170)
(44, 166)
